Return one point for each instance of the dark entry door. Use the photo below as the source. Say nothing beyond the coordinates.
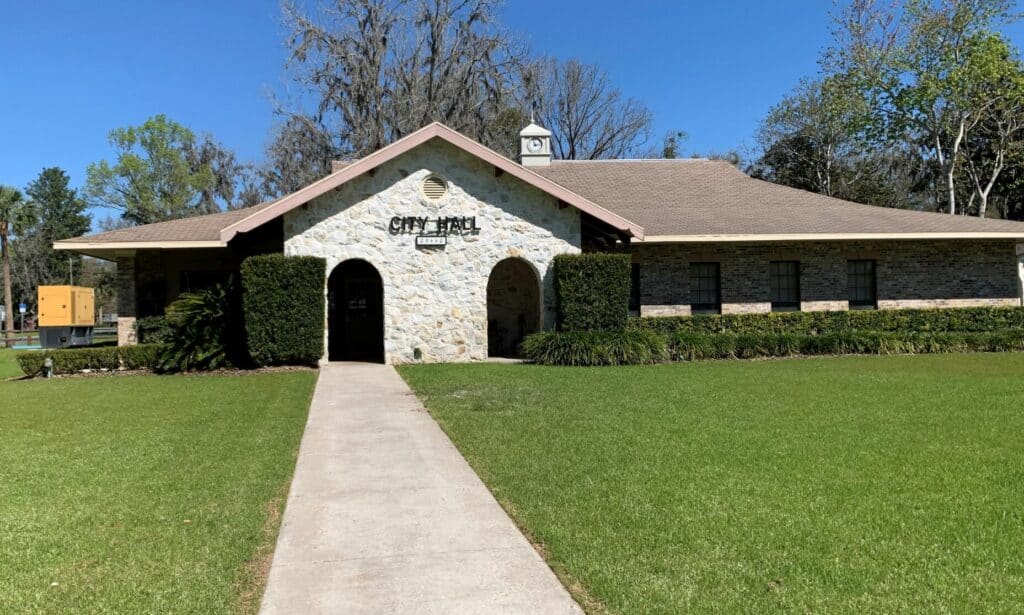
(355, 313)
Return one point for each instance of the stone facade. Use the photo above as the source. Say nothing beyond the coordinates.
(910, 274)
(435, 298)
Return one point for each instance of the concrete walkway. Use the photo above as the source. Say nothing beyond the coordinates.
(385, 516)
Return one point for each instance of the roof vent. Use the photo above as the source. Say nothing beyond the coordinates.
(434, 188)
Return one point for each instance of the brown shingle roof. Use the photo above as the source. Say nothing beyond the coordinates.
(714, 198)
(196, 228)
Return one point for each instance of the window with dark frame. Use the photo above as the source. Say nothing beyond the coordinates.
(705, 288)
(784, 279)
(634, 288)
(862, 284)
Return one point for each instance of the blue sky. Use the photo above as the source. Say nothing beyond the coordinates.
(72, 70)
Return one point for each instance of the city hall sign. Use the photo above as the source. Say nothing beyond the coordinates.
(433, 231)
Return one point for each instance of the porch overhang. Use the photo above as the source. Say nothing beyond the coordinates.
(110, 250)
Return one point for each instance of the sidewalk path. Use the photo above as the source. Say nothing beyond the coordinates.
(385, 516)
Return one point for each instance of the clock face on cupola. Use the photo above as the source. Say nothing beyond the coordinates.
(535, 146)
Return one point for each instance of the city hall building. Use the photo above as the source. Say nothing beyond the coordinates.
(440, 249)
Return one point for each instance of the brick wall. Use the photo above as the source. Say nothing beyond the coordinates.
(909, 274)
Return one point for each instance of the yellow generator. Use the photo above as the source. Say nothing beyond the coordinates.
(67, 315)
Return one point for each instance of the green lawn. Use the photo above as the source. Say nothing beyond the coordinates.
(143, 494)
(862, 484)
(8, 367)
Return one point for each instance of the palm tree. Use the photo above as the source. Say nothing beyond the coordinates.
(13, 211)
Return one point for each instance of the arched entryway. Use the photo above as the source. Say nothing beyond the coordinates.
(513, 306)
(355, 313)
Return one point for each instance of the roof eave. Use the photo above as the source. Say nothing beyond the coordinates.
(757, 238)
(86, 247)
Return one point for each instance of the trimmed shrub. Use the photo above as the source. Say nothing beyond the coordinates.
(283, 303)
(153, 330)
(691, 346)
(141, 356)
(592, 291)
(73, 360)
(966, 320)
(589, 348)
(206, 331)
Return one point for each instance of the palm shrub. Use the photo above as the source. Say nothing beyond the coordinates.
(153, 330)
(206, 331)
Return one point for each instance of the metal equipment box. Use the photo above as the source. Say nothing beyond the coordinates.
(66, 316)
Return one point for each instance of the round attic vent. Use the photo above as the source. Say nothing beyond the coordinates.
(434, 188)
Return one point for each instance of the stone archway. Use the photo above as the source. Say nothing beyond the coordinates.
(513, 306)
(355, 313)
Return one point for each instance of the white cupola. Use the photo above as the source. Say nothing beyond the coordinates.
(534, 146)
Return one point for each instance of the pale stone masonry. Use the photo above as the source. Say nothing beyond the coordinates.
(435, 298)
(910, 274)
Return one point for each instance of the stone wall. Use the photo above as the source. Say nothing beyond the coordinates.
(435, 298)
(910, 274)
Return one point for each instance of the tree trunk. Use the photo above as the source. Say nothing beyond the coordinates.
(951, 189)
(982, 204)
(5, 254)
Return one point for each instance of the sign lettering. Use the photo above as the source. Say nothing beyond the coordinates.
(436, 227)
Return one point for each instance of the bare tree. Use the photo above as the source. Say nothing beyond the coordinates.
(206, 154)
(384, 68)
(589, 117)
(299, 153)
(250, 187)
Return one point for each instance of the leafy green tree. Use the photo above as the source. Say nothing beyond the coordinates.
(812, 136)
(59, 213)
(160, 173)
(995, 143)
(932, 71)
(15, 212)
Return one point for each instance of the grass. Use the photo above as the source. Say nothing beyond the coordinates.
(8, 366)
(143, 494)
(858, 484)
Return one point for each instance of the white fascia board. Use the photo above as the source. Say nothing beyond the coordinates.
(825, 237)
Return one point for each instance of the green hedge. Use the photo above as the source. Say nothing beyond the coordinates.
(283, 304)
(73, 360)
(967, 320)
(691, 346)
(596, 348)
(592, 291)
(638, 347)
